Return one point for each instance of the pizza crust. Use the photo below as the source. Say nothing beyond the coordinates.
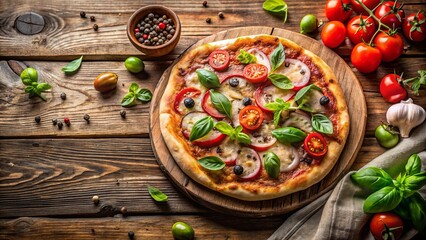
(169, 122)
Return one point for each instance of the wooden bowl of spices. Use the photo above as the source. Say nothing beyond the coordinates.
(154, 30)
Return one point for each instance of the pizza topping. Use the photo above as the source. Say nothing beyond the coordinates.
(251, 117)
(246, 57)
(219, 60)
(246, 101)
(324, 100)
(277, 57)
(262, 138)
(297, 71)
(237, 88)
(189, 102)
(250, 161)
(261, 58)
(192, 93)
(211, 163)
(235, 134)
(238, 170)
(201, 128)
(255, 73)
(236, 108)
(299, 120)
(233, 82)
(308, 99)
(289, 135)
(221, 103)
(288, 155)
(269, 93)
(315, 145)
(208, 107)
(208, 78)
(272, 164)
(322, 123)
(227, 151)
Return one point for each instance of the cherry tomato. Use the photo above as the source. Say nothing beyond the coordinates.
(184, 93)
(414, 27)
(315, 145)
(391, 47)
(385, 136)
(391, 88)
(361, 28)
(386, 225)
(333, 34)
(219, 60)
(255, 73)
(390, 14)
(370, 4)
(366, 58)
(339, 10)
(251, 117)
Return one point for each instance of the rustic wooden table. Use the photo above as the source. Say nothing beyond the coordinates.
(48, 176)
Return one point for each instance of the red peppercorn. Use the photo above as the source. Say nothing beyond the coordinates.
(162, 25)
(145, 36)
(67, 121)
(136, 29)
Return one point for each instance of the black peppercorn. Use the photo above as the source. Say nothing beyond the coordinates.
(246, 101)
(238, 169)
(86, 117)
(123, 113)
(131, 234)
(205, 4)
(208, 20)
(221, 15)
(95, 27)
(83, 14)
(54, 121)
(63, 96)
(60, 125)
(95, 200)
(37, 119)
(287, 64)
(324, 100)
(92, 18)
(123, 210)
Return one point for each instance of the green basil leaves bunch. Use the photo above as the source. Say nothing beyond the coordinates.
(29, 78)
(277, 59)
(399, 195)
(135, 92)
(278, 107)
(235, 134)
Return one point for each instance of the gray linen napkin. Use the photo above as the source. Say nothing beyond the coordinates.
(338, 214)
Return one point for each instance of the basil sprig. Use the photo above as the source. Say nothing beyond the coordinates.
(246, 58)
(157, 195)
(211, 163)
(302, 92)
(221, 103)
(208, 78)
(201, 128)
(29, 77)
(278, 107)
(399, 195)
(72, 66)
(278, 7)
(235, 134)
(272, 164)
(289, 134)
(135, 92)
(277, 59)
(281, 81)
(322, 123)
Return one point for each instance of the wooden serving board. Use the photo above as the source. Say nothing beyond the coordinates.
(216, 201)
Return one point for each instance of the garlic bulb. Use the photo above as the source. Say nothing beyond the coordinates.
(405, 115)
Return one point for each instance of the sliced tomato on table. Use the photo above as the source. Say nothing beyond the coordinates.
(255, 72)
(315, 145)
(219, 60)
(251, 117)
(267, 93)
(212, 139)
(208, 107)
(185, 93)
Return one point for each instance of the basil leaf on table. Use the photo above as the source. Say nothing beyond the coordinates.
(208, 78)
(322, 124)
(211, 163)
(201, 128)
(128, 100)
(133, 88)
(277, 57)
(382, 200)
(221, 103)
(417, 208)
(272, 164)
(157, 195)
(414, 165)
(281, 81)
(289, 134)
(278, 7)
(144, 95)
(73, 66)
(372, 178)
(302, 92)
(246, 58)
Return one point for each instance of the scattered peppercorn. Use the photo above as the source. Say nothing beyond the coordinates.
(131, 235)
(123, 113)
(37, 119)
(63, 96)
(208, 20)
(54, 121)
(95, 27)
(83, 14)
(86, 117)
(92, 18)
(95, 199)
(60, 125)
(205, 4)
(67, 121)
(123, 210)
(221, 15)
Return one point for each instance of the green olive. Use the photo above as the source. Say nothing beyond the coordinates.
(134, 64)
(308, 24)
(182, 231)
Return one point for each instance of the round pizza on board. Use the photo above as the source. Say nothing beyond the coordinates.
(254, 118)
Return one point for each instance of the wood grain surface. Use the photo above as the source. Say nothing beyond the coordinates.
(52, 173)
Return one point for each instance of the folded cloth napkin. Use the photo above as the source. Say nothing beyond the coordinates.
(338, 214)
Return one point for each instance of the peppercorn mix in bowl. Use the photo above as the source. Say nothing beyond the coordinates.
(154, 30)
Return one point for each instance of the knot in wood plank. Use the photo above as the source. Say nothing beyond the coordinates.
(29, 23)
(23, 224)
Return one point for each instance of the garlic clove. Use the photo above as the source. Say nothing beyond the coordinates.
(405, 115)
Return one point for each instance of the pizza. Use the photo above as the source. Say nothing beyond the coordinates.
(254, 118)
